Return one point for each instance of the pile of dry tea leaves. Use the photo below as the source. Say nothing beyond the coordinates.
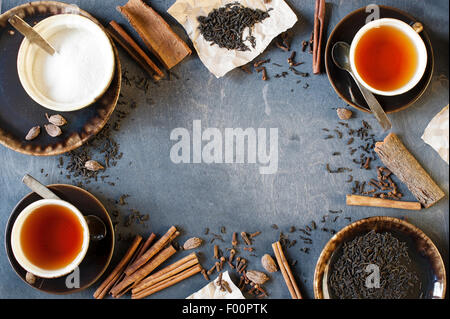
(225, 26)
(396, 280)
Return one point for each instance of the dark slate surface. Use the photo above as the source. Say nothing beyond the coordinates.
(196, 196)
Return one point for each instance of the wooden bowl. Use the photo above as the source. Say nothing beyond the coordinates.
(19, 113)
(422, 251)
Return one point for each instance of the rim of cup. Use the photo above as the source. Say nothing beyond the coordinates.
(422, 55)
(16, 240)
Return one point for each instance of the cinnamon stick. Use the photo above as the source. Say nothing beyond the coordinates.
(319, 17)
(134, 50)
(357, 200)
(151, 252)
(168, 282)
(402, 163)
(140, 274)
(146, 245)
(165, 44)
(286, 271)
(143, 248)
(104, 288)
(167, 272)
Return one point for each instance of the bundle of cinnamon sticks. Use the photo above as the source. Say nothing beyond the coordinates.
(134, 269)
(286, 271)
(157, 35)
(167, 276)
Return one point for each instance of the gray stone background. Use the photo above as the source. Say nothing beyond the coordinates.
(196, 196)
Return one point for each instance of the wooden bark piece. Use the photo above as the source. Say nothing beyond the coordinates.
(165, 44)
(402, 163)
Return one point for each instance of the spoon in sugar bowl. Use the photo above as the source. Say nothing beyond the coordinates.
(26, 30)
(340, 54)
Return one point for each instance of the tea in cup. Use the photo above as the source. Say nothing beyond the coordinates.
(50, 238)
(388, 56)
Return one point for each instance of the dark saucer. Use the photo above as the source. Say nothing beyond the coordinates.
(98, 255)
(18, 112)
(342, 82)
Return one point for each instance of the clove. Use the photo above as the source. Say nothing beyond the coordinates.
(234, 241)
(245, 238)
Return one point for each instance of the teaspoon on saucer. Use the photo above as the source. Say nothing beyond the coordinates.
(340, 54)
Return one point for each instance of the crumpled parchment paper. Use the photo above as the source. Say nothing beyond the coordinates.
(436, 133)
(212, 290)
(219, 61)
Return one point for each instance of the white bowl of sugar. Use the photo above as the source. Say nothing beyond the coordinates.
(77, 74)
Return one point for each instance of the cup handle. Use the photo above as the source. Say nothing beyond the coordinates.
(97, 228)
(417, 26)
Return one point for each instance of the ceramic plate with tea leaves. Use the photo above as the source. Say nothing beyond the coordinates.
(19, 113)
(99, 253)
(380, 258)
(345, 86)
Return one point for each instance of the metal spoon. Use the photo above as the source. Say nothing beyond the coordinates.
(97, 229)
(31, 34)
(340, 54)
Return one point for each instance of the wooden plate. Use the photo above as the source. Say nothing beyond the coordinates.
(98, 255)
(425, 257)
(18, 112)
(342, 82)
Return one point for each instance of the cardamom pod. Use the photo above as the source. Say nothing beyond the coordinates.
(257, 277)
(344, 114)
(93, 165)
(192, 243)
(30, 278)
(52, 130)
(56, 119)
(33, 133)
(268, 263)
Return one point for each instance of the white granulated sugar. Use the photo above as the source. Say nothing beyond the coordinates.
(76, 71)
